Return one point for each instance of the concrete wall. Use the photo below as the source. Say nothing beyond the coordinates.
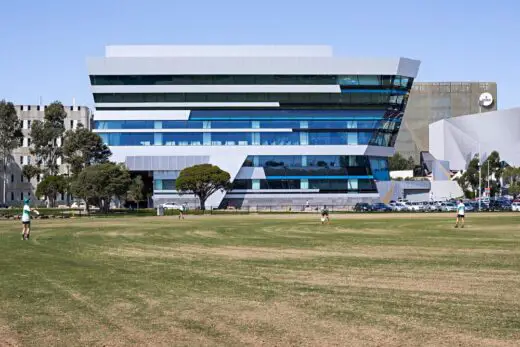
(430, 102)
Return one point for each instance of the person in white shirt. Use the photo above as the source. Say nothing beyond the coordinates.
(26, 219)
(461, 210)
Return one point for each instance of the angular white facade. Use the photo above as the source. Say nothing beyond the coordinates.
(459, 139)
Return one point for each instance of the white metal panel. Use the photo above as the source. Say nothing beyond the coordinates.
(143, 115)
(119, 153)
(248, 66)
(218, 51)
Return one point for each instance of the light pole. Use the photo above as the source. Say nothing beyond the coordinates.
(480, 101)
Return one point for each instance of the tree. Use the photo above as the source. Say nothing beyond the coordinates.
(397, 163)
(202, 180)
(45, 137)
(99, 184)
(511, 177)
(514, 189)
(494, 167)
(49, 188)
(82, 148)
(10, 136)
(136, 191)
(30, 171)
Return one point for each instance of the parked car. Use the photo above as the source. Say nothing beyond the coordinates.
(380, 207)
(432, 207)
(362, 207)
(172, 206)
(515, 206)
(396, 207)
(448, 207)
(417, 206)
(496, 205)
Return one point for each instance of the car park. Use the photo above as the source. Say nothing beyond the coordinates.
(448, 207)
(172, 206)
(381, 207)
(362, 207)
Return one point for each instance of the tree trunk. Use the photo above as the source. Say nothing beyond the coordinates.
(202, 201)
(4, 181)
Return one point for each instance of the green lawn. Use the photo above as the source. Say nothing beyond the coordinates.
(373, 280)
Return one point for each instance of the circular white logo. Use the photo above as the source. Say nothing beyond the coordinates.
(485, 99)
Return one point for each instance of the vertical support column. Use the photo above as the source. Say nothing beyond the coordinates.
(256, 161)
(352, 137)
(256, 184)
(158, 139)
(304, 183)
(256, 139)
(206, 139)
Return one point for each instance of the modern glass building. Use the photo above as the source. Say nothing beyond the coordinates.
(289, 123)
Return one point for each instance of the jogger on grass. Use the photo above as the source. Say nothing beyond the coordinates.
(461, 209)
(26, 219)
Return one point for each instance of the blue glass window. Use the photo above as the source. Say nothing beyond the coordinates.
(124, 124)
(364, 137)
(182, 139)
(168, 185)
(282, 139)
(128, 139)
(231, 139)
(232, 124)
(380, 169)
(332, 186)
(242, 184)
(327, 138)
(327, 124)
(280, 184)
(181, 124)
(367, 186)
(290, 124)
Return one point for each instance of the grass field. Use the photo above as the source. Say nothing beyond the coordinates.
(373, 280)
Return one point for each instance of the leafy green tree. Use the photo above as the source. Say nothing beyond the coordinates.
(511, 177)
(49, 188)
(45, 137)
(514, 189)
(10, 136)
(398, 163)
(82, 148)
(136, 191)
(202, 180)
(99, 184)
(30, 171)
(494, 166)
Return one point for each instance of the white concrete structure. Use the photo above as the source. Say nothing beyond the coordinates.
(460, 139)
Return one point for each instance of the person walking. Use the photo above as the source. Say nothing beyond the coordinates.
(26, 219)
(325, 215)
(461, 211)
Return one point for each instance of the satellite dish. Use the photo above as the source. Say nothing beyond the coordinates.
(485, 99)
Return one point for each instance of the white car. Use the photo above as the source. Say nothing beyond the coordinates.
(448, 207)
(172, 206)
(405, 206)
(515, 206)
(416, 206)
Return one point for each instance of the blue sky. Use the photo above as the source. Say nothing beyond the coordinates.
(45, 43)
